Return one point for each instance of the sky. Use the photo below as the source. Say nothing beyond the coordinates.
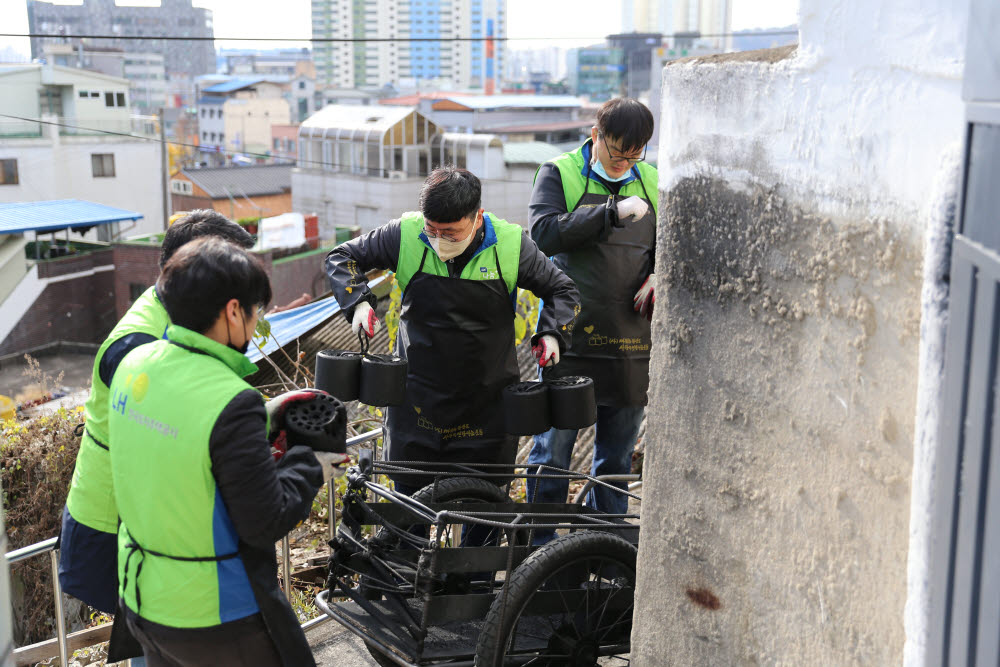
(548, 23)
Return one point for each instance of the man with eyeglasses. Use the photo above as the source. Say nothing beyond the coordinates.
(459, 268)
(593, 210)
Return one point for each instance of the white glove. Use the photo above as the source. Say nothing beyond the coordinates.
(632, 207)
(645, 297)
(333, 464)
(364, 318)
(546, 350)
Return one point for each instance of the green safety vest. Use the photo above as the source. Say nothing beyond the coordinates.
(91, 499)
(571, 167)
(506, 237)
(164, 403)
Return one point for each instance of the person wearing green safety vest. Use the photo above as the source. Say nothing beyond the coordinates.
(593, 210)
(459, 268)
(88, 542)
(201, 499)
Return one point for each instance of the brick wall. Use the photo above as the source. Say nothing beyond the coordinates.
(60, 267)
(271, 204)
(136, 265)
(188, 203)
(290, 278)
(80, 310)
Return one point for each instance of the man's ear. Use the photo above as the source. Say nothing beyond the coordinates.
(234, 311)
(480, 217)
(593, 133)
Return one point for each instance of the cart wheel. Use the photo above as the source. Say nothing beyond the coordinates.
(456, 490)
(378, 656)
(568, 603)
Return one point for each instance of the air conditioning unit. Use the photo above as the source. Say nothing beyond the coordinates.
(397, 175)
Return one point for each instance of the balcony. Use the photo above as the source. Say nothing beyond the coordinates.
(139, 126)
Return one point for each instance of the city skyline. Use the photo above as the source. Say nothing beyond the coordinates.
(530, 24)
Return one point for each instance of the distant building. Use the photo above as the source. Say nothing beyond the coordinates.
(285, 142)
(237, 192)
(637, 51)
(713, 18)
(415, 64)
(529, 64)
(236, 115)
(597, 72)
(145, 71)
(269, 62)
(80, 151)
(364, 166)
(177, 18)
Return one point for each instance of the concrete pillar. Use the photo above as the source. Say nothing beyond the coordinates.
(794, 197)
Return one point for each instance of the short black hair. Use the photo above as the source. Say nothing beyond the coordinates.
(628, 121)
(450, 194)
(201, 278)
(202, 222)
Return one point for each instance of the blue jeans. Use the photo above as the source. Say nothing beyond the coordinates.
(617, 430)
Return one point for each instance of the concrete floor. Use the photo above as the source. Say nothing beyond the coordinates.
(334, 646)
(76, 369)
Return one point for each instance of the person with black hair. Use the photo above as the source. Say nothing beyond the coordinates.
(593, 210)
(88, 540)
(201, 499)
(459, 268)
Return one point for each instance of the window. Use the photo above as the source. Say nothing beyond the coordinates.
(204, 135)
(109, 99)
(83, 93)
(302, 85)
(120, 97)
(213, 136)
(102, 165)
(203, 111)
(8, 172)
(95, 94)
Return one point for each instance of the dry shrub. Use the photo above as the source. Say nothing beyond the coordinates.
(36, 465)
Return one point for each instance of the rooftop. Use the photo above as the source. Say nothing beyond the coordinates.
(353, 117)
(221, 182)
(541, 127)
(234, 84)
(477, 102)
(55, 215)
(414, 100)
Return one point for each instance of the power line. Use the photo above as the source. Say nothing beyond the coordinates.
(351, 40)
(222, 151)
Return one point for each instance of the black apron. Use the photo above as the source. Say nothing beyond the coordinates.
(458, 338)
(611, 342)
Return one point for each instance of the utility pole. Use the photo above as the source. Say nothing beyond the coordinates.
(164, 176)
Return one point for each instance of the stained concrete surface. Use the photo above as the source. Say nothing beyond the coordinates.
(334, 646)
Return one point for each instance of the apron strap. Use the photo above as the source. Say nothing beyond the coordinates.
(586, 186)
(132, 546)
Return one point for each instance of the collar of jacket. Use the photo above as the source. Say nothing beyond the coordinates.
(585, 152)
(196, 342)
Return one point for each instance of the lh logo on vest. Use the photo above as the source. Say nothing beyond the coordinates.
(486, 274)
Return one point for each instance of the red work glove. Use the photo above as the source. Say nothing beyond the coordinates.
(364, 319)
(546, 350)
(645, 298)
(276, 408)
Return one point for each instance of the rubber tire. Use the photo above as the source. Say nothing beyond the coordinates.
(528, 578)
(455, 489)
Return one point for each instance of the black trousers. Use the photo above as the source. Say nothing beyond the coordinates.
(234, 644)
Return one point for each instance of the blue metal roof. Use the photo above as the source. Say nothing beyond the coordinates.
(211, 100)
(231, 85)
(51, 216)
(288, 325)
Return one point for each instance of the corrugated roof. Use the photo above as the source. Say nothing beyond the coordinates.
(515, 101)
(540, 127)
(529, 152)
(211, 100)
(353, 117)
(232, 85)
(220, 182)
(51, 216)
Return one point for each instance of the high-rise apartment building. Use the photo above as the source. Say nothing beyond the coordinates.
(712, 18)
(176, 18)
(410, 56)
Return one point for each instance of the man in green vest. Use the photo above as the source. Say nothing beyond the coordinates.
(593, 210)
(89, 537)
(459, 268)
(201, 499)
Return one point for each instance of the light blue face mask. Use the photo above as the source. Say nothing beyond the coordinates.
(598, 168)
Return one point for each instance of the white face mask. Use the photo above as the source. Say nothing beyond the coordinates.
(447, 249)
(599, 169)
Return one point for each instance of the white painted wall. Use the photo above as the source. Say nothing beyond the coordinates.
(782, 418)
(62, 169)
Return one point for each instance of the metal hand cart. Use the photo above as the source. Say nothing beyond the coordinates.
(449, 575)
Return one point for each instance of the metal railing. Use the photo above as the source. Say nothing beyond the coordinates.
(49, 546)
